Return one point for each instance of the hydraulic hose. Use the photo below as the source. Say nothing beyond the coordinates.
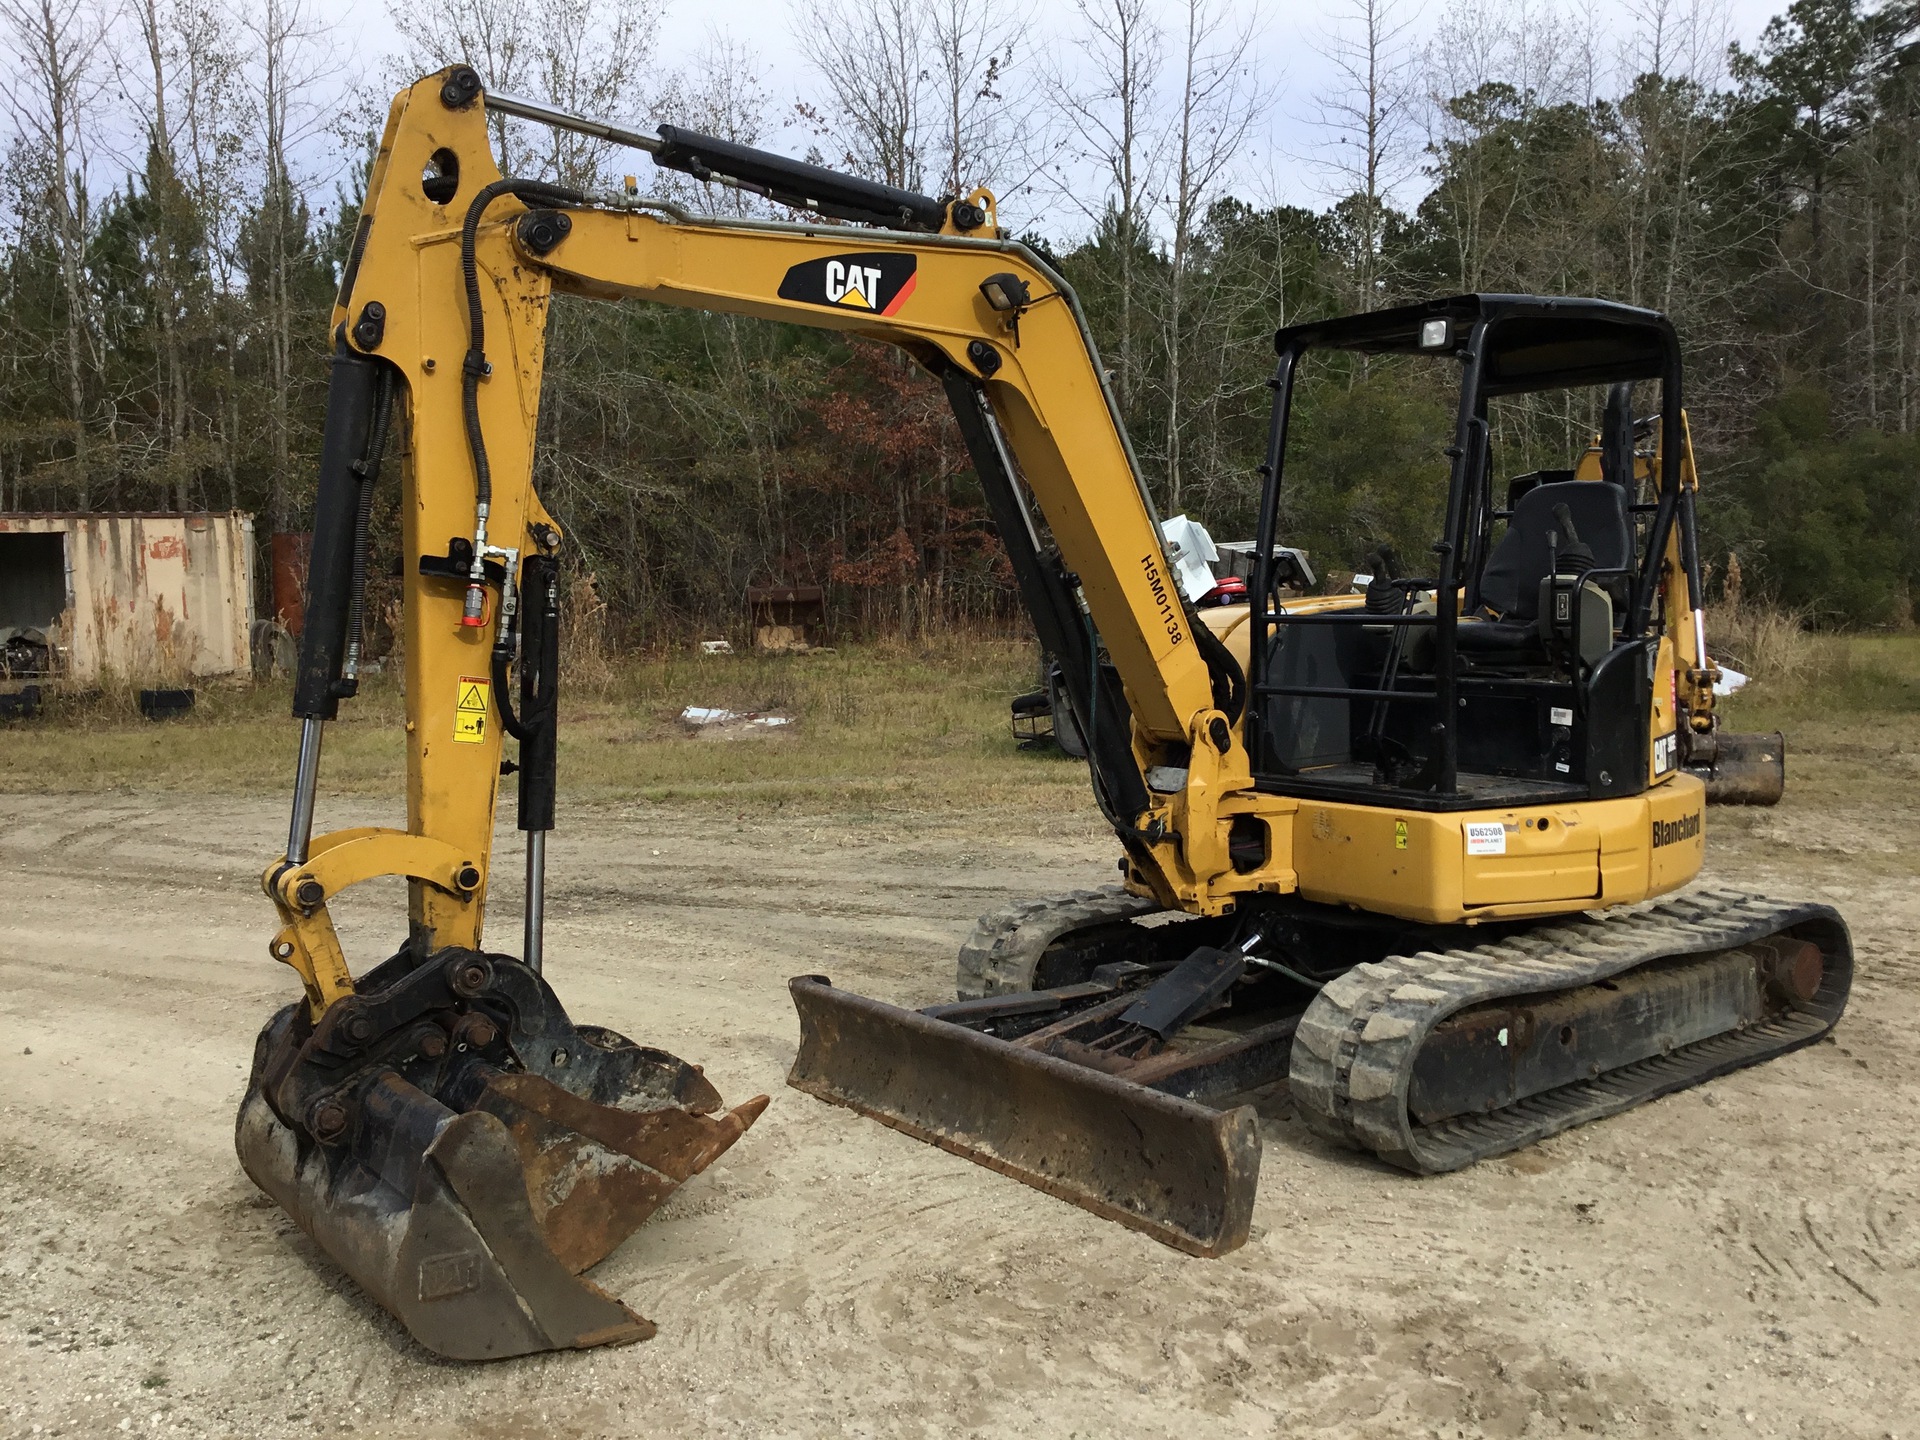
(474, 367)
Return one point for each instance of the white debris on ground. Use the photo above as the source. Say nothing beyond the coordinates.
(711, 719)
(1730, 680)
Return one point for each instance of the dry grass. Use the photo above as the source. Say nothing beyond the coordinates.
(1849, 706)
(1775, 647)
(1800, 672)
(883, 726)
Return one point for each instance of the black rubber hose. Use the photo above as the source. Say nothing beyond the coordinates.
(540, 699)
(475, 366)
(509, 719)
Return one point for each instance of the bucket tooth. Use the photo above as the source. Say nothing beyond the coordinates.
(594, 1173)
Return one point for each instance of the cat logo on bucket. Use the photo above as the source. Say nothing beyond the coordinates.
(876, 282)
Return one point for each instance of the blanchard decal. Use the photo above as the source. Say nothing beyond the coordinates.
(1672, 832)
(1169, 616)
(878, 283)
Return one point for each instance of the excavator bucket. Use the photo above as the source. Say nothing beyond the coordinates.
(1130, 1144)
(464, 1151)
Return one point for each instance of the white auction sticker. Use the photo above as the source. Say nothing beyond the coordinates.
(1486, 837)
(1559, 715)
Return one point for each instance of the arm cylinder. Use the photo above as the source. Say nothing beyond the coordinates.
(343, 448)
(539, 689)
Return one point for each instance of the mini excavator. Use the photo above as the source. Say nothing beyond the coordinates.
(1412, 854)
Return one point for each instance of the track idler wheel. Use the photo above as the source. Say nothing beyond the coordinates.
(464, 1151)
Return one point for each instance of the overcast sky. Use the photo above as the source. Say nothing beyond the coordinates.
(1283, 165)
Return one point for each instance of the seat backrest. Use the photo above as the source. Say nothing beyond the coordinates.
(1511, 582)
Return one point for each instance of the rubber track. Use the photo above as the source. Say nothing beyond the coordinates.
(1353, 1057)
(1002, 954)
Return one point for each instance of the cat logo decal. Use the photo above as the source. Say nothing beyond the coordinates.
(877, 283)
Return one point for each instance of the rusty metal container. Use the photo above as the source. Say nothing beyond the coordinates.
(154, 595)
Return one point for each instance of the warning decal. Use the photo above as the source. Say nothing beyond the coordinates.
(470, 710)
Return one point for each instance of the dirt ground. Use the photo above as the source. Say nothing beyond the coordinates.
(1737, 1260)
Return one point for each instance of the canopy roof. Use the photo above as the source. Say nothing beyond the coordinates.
(1533, 342)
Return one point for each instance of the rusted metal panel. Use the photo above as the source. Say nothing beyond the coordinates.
(290, 580)
(150, 596)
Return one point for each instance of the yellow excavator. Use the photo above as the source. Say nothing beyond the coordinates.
(1400, 852)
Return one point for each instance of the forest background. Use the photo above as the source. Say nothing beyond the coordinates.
(170, 245)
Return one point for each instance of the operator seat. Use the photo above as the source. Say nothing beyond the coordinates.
(1510, 584)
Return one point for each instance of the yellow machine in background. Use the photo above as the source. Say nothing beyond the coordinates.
(1401, 834)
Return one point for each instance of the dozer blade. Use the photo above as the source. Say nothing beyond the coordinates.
(1170, 1167)
(463, 1151)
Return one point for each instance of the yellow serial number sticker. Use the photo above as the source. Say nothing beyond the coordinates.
(470, 710)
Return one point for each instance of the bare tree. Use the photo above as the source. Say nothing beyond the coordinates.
(168, 255)
(1493, 64)
(1221, 101)
(287, 67)
(587, 56)
(57, 46)
(722, 91)
(973, 55)
(1110, 117)
(872, 57)
(213, 120)
(1368, 117)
